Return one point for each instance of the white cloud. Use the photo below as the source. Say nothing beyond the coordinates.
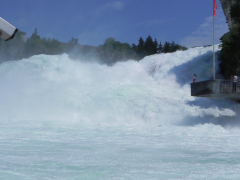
(116, 6)
(151, 22)
(204, 33)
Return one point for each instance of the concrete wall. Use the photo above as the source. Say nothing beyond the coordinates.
(205, 88)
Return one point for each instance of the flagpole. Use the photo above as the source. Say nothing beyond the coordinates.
(214, 14)
(213, 47)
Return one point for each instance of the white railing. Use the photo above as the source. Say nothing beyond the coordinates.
(226, 86)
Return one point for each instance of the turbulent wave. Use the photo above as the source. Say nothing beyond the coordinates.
(153, 91)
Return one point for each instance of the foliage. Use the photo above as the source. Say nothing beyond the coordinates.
(230, 54)
(52, 46)
(35, 45)
(112, 51)
(230, 44)
(235, 12)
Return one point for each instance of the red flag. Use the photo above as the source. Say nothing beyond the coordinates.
(214, 7)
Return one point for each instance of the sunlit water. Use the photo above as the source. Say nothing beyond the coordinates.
(66, 119)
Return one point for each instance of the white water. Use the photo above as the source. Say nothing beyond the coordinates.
(65, 119)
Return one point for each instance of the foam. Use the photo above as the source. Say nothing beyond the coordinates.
(154, 91)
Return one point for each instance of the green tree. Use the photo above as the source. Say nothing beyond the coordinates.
(230, 44)
(52, 46)
(160, 48)
(167, 47)
(230, 54)
(149, 46)
(235, 12)
(141, 47)
(34, 45)
(112, 51)
(172, 47)
(155, 46)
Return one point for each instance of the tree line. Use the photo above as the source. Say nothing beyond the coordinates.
(149, 47)
(110, 52)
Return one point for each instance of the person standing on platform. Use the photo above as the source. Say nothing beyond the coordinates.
(194, 78)
(235, 78)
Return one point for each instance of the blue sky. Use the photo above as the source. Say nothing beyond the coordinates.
(187, 22)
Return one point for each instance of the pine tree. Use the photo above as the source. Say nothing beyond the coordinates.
(155, 46)
(167, 47)
(141, 45)
(150, 46)
(160, 48)
(172, 47)
(141, 48)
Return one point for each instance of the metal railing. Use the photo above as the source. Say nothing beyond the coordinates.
(214, 87)
(226, 86)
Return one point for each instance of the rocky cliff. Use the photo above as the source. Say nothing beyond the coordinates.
(226, 6)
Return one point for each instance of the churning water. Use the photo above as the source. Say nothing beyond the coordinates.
(66, 119)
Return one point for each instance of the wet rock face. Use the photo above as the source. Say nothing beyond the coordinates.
(226, 6)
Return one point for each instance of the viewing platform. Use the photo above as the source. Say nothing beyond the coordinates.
(216, 88)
